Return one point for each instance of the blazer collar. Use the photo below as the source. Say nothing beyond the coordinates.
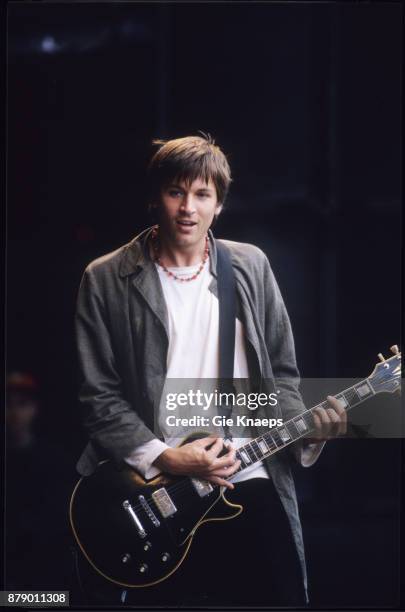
(136, 254)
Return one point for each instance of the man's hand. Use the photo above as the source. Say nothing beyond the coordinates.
(200, 458)
(330, 422)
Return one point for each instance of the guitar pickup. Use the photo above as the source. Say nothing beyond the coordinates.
(203, 487)
(164, 503)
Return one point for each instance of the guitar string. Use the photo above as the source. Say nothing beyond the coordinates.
(180, 487)
(185, 483)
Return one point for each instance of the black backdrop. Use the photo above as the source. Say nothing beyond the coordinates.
(305, 100)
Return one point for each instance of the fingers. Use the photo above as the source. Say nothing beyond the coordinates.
(340, 413)
(334, 428)
(215, 448)
(318, 424)
(336, 405)
(226, 471)
(221, 467)
(224, 462)
(330, 422)
(213, 468)
(220, 481)
(205, 442)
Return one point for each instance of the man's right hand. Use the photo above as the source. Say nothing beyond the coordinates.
(200, 458)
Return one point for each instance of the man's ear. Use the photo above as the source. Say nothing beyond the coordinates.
(218, 210)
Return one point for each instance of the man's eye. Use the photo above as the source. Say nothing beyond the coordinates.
(174, 193)
(203, 195)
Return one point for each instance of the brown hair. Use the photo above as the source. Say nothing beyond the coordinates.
(186, 159)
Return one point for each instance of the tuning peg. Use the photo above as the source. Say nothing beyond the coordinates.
(394, 349)
(381, 357)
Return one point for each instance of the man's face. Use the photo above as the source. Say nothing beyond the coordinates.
(186, 212)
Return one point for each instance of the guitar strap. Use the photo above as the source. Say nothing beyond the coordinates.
(227, 316)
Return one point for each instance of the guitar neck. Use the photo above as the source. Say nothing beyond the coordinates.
(298, 427)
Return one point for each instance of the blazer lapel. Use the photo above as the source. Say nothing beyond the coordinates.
(136, 262)
(148, 284)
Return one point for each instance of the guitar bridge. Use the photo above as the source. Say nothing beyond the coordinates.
(149, 511)
(203, 487)
(164, 503)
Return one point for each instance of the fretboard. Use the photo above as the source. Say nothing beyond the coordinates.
(298, 427)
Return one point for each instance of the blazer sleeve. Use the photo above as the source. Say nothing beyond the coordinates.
(111, 422)
(281, 348)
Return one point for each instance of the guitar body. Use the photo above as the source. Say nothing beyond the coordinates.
(136, 533)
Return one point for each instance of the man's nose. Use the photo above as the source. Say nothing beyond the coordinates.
(187, 203)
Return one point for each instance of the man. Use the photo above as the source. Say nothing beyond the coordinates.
(148, 313)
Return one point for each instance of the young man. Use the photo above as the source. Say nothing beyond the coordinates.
(148, 313)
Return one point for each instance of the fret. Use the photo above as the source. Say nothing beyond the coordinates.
(301, 425)
(247, 453)
(364, 390)
(342, 400)
(292, 429)
(251, 452)
(309, 419)
(351, 397)
(277, 438)
(244, 457)
(239, 455)
(263, 445)
(272, 446)
(256, 449)
(284, 434)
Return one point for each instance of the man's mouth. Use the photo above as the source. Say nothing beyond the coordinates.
(186, 223)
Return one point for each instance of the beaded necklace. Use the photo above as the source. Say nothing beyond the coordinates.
(154, 236)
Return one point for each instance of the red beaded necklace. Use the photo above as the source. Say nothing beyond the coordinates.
(154, 236)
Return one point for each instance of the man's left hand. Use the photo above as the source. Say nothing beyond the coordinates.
(329, 422)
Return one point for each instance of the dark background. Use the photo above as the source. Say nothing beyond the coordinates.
(305, 100)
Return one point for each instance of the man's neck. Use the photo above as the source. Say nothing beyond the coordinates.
(180, 257)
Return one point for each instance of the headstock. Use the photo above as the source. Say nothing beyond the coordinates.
(386, 376)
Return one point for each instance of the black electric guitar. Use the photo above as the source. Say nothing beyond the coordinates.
(136, 533)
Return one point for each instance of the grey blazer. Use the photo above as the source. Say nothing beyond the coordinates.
(122, 339)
